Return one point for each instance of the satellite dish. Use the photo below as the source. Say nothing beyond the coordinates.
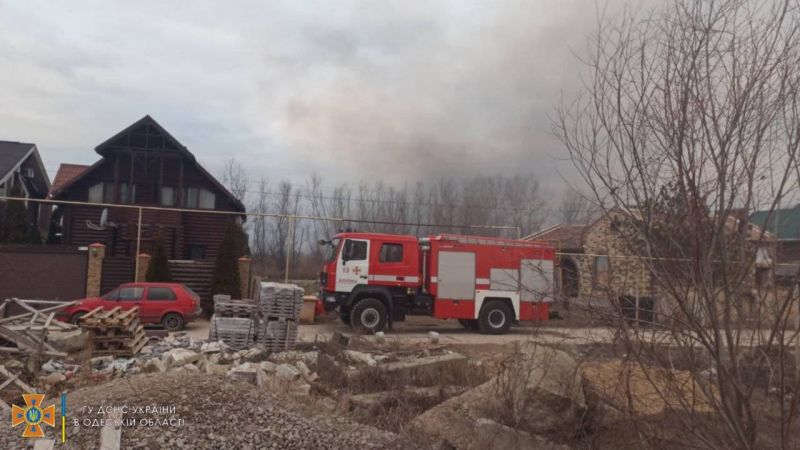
(103, 222)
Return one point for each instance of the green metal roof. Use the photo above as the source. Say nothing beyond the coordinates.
(785, 223)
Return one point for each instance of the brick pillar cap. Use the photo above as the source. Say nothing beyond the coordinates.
(144, 255)
(96, 245)
(244, 258)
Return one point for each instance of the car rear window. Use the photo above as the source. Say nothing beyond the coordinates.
(190, 291)
(161, 294)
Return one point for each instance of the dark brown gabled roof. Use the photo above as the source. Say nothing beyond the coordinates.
(568, 237)
(162, 141)
(11, 153)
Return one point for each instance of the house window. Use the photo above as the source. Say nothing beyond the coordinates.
(391, 253)
(104, 193)
(160, 294)
(207, 199)
(199, 198)
(197, 252)
(601, 269)
(96, 193)
(123, 192)
(168, 195)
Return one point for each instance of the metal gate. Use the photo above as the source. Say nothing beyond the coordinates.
(46, 272)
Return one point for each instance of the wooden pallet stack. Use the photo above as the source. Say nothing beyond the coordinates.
(280, 306)
(234, 322)
(115, 332)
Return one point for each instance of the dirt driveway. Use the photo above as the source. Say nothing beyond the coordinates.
(450, 332)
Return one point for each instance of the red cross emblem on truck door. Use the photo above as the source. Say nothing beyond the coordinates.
(357, 270)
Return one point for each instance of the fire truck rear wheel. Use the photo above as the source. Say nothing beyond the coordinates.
(495, 317)
(369, 315)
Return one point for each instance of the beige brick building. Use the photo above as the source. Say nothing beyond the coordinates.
(597, 267)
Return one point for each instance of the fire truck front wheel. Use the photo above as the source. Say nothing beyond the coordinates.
(369, 315)
(495, 317)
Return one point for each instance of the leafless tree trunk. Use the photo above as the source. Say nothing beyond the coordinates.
(235, 179)
(688, 122)
(576, 208)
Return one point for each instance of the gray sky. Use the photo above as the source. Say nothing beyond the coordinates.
(401, 91)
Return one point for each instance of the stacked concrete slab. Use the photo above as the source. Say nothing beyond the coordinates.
(235, 322)
(279, 307)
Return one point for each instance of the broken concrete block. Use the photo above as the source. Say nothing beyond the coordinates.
(262, 379)
(268, 366)
(490, 435)
(217, 369)
(542, 387)
(303, 368)
(247, 375)
(178, 357)
(287, 372)
(434, 337)
(53, 378)
(301, 390)
(154, 365)
(68, 341)
(328, 404)
(211, 347)
(251, 353)
(407, 371)
(360, 357)
(380, 337)
(341, 339)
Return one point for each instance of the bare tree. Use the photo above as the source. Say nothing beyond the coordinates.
(576, 208)
(689, 119)
(235, 179)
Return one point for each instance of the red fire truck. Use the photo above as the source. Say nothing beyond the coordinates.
(485, 283)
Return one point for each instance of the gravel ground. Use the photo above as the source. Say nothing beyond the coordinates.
(216, 414)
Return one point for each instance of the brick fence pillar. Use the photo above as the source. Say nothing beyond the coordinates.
(144, 262)
(244, 274)
(94, 271)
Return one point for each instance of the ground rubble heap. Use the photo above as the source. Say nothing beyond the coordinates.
(540, 391)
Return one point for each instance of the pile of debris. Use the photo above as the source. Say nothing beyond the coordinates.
(236, 416)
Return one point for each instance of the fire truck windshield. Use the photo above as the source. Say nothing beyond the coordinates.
(333, 245)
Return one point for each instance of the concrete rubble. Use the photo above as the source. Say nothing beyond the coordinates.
(540, 391)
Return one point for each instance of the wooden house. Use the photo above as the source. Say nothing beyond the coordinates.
(144, 165)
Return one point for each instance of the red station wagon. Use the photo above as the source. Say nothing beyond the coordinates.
(169, 304)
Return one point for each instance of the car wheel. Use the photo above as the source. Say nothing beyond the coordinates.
(369, 315)
(74, 319)
(172, 322)
(495, 317)
(470, 324)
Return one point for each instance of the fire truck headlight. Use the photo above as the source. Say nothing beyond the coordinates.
(330, 299)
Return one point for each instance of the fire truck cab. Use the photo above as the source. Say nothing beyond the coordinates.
(486, 283)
